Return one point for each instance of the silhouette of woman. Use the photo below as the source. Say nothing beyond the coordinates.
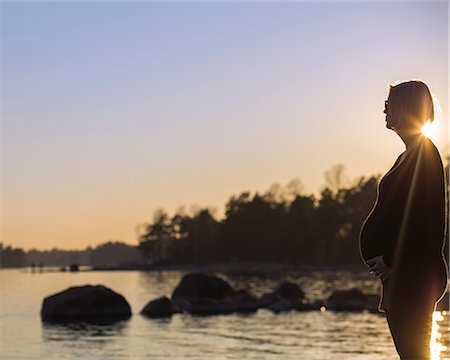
(402, 238)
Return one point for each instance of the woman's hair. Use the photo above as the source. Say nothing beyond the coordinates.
(412, 102)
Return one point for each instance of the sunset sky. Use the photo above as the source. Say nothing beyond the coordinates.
(112, 110)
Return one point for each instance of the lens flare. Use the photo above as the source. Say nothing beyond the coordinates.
(430, 130)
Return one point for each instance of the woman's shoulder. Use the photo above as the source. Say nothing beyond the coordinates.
(430, 154)
(432, 147)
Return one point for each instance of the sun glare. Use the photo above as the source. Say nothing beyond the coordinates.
(430, 130)
(436, 347)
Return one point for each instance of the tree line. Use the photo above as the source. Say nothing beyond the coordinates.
(281, 225)
(109, 254)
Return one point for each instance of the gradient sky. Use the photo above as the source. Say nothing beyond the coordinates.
(112, 110)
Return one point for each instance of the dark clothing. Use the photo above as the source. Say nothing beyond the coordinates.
(407, 227)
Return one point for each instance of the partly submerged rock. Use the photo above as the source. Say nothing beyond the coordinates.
(203, 294)
(346, 300)
(209, 306)
(161, 307)
(311, 306)
(243, 302)
(88, 302)
(200, 286)
(274, 303)
(286, 296)
(279, 306)
(267, 299)
(289, 291)
(291, 294)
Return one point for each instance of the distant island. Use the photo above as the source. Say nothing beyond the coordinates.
(109, 254)
(280, 226)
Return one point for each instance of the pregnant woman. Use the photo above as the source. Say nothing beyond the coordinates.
(402, 238)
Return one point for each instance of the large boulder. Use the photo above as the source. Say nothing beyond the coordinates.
(86, 302)
(161, 307)
(346, 300)
(199, 286)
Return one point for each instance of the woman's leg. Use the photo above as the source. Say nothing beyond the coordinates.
(411, 331)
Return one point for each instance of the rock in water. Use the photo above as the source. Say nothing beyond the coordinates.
(200, 293)
(244, 302)
(200, 285)
(289, 291)
(160, 307)
(267, 299)
(346, 300)
(86, 302)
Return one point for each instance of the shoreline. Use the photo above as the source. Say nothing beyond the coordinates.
(248, 268)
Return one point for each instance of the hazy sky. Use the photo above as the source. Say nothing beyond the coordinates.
(112, 110)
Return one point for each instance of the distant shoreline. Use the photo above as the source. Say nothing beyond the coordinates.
(236, 268)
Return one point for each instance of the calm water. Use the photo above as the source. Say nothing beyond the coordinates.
(264, 335)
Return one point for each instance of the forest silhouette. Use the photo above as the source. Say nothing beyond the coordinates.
(282, 225)
(279, 226)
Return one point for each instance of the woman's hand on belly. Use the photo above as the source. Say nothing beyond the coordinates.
(378, 268)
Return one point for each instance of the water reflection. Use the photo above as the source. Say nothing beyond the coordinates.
(436, 346)
(81, 330)
(314, 335)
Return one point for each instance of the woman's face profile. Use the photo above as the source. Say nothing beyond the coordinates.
(390, 120)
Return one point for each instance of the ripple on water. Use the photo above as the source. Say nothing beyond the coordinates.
(292, 335)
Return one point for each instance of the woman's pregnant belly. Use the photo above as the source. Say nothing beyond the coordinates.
(371, 235)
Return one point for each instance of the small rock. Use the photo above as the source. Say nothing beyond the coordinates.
(244, 302)
(346, 300)
(315, 305)
(289, 291)
(268, 298)
(279, 306)
(161, 307)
